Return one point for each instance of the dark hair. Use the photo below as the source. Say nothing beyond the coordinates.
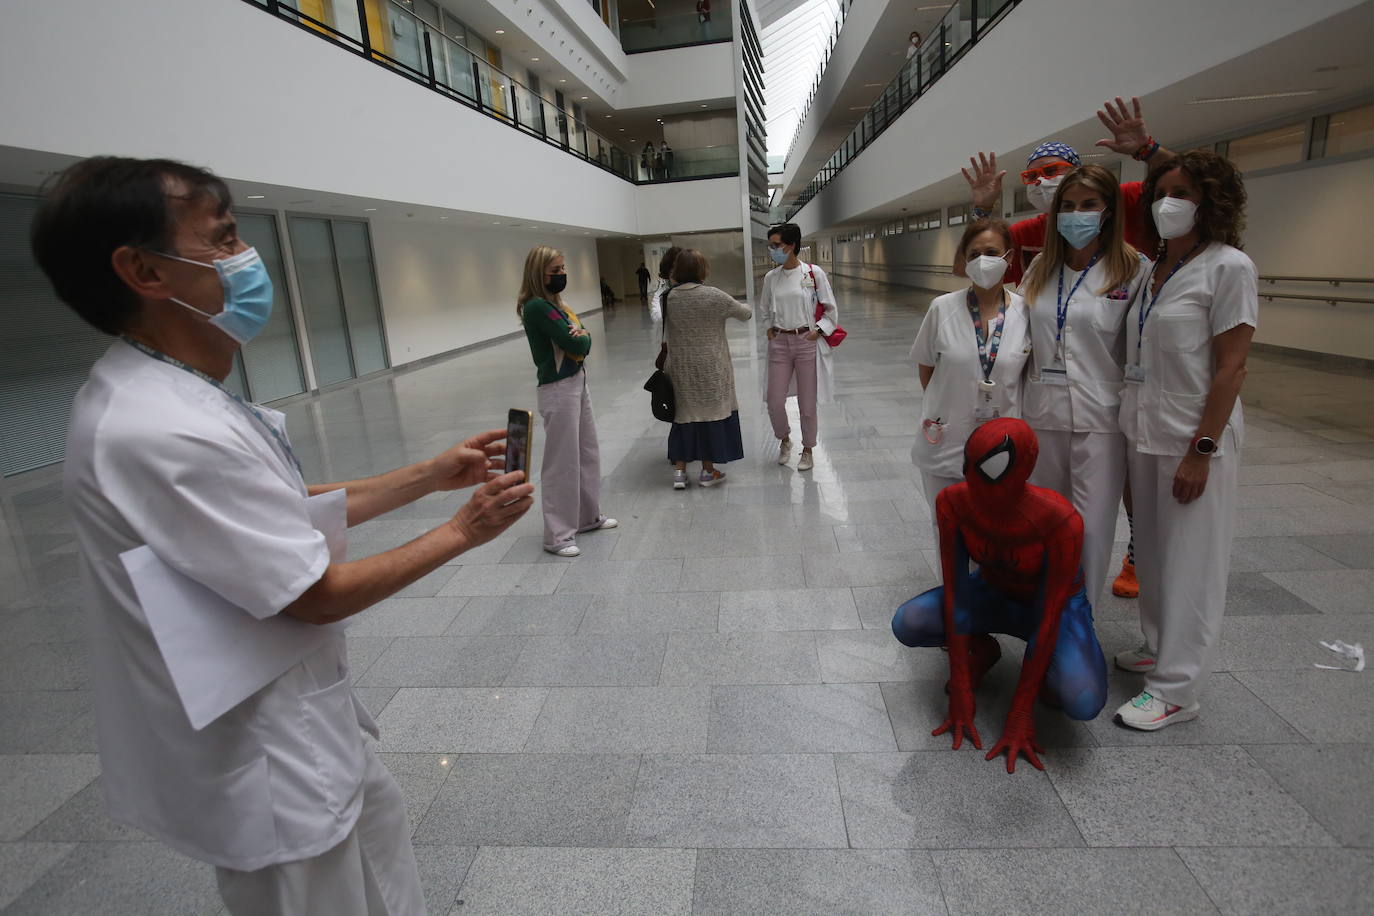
(972, 231)
(691, 267)
(1220, 214)
(789, 234)
(665, 263)
(104, 203)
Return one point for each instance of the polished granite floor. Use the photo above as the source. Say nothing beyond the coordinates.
(707, 712)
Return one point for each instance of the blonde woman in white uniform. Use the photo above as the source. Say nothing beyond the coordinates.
(1077, 291)
(1188, 335)
(970, 353)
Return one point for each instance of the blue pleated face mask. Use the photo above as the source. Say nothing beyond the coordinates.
(1081, 227)
(779, 255)
(247, 294)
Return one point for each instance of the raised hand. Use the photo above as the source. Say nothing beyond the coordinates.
(984, 181)
(1018, 738)
(960, 718)
(470, 462)
(1127, 127)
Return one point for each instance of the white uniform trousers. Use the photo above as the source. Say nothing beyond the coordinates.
(1089, 470)
(933, 484)
(371, 873)
(570, 476)
(1183, 560)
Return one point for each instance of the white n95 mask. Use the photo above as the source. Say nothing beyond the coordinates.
(1174, 216)
(986, 271)
(1041, 195)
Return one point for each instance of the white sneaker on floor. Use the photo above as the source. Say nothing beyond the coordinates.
(806, 463)
(707, 479)
(784, 451)
(607, 522)
(1147, 712)
(570, 550)
(680, 479)
(1141, 661)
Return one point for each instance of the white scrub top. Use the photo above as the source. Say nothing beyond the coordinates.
(1214, 292)
(159, 457)
(947, 342)
(1093, 344)
(789, 299)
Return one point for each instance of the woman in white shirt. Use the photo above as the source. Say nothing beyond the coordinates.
(1188, 335)
(970, 353)
(1077, 291)
(797, 306)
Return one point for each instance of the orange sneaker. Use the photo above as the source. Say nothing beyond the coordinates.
(1126, 584)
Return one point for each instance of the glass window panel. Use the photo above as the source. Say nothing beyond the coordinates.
(313, 251)
(1280, 146)
(271, 361)
(1350, 131)
(354, 251)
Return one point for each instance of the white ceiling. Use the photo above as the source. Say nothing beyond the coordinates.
(795, 36)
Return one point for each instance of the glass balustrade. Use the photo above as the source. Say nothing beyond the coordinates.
(676, 29)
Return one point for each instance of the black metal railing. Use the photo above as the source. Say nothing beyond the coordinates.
(962, 27)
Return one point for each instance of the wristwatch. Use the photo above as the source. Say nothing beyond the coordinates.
(1204, 445)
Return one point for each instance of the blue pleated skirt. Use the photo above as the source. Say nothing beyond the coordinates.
(716, 441)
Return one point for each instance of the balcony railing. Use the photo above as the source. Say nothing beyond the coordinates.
(676, 30)
(962, 27)
(396, 38)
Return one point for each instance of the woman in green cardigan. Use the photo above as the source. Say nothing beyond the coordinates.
(570, 475)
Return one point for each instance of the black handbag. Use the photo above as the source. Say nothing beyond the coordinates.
(662, 400)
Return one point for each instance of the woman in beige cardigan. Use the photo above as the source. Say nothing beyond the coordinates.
(706, 425)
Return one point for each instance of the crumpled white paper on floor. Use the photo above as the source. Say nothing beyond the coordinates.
(1349, 654)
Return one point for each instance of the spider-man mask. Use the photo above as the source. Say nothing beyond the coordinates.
(998, 460)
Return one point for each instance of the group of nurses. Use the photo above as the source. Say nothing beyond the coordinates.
(1117, 363)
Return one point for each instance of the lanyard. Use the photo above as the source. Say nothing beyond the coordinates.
(987, 345)
(1144, 310)
(1062, 305)
(250, 408)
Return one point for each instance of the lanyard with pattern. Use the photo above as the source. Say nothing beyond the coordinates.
(251, 409)
(1062, 305)
(989, 344)
(1146, 310)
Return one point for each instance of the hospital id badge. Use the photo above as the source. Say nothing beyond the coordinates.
(1135, 374)
(1055, 376)
(984, 407)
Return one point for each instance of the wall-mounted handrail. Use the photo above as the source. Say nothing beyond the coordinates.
(1334, 281)
(1329, 300)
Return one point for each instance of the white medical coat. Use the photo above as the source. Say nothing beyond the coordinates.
(1211, 294)
(947, 342)
(159, 457)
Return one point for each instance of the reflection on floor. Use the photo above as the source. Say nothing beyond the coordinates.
(707, 712)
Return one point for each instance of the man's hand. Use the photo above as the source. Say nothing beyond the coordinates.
(1191, 477)
(960, 718)
(470, 462)
(493, 508)
(985, 182)
(1018, 738)
(1127, 127)
(772, 332)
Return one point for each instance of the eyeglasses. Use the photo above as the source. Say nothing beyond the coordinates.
(1053, 170)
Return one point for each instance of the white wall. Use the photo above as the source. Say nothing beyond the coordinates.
(689, 206)
(984, 103)
(448, 288)
(659, 78)
(135, 79)
(570, 32)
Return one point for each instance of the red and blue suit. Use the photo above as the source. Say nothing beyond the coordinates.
(1027, 542)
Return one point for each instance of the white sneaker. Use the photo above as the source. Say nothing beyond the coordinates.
(806, 463)
(606, 522)
(1141, 661)
(571, 550)
(784, 451)
(1147, 712)
(680, 479)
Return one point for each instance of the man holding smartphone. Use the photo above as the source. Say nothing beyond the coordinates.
(276, 786)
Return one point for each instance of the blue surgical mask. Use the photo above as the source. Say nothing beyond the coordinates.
(247, 294)
(778, 255)
(1081, 227)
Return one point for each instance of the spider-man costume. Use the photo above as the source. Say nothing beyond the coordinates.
(1026, 541)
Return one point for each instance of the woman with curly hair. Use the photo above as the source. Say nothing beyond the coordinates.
(1188, 335)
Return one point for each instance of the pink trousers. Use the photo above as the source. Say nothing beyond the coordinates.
(570, 476)
(790, 354)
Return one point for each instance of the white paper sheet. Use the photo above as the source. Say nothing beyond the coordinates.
(220, 655)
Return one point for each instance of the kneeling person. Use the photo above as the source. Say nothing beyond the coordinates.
(1027, 542)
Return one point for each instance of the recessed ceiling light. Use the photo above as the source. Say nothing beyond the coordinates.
(583, 99)
(443, 217)
(369, 209)
(703, 106)
(496, 222)
(534, 58)
(608, 117)
(500, 31)
(562, 81)
(256, 196)
(622, 130)
(1294, 93)
(858, 108)
(871, 85)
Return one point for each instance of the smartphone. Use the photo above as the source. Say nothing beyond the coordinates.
(519, 440)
